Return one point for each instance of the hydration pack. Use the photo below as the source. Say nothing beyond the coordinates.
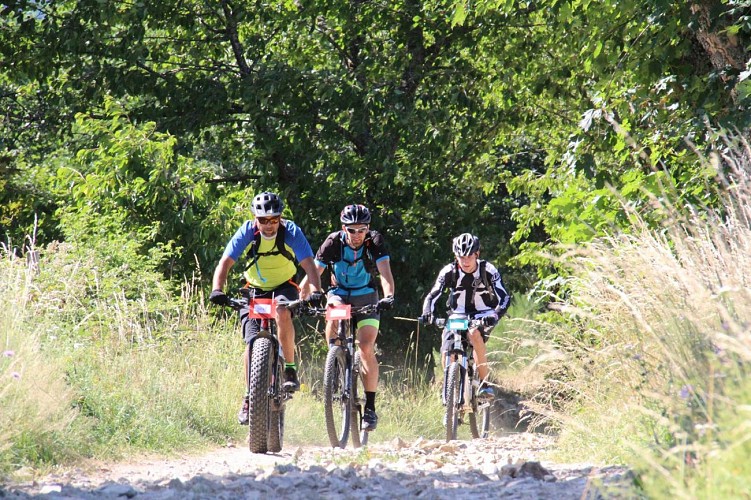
(453, 276)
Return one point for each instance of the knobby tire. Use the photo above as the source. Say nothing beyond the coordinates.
(453, 397)
(480, 414)
(336, 402)
(258, 411)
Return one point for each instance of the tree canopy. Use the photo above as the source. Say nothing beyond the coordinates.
(510, 119)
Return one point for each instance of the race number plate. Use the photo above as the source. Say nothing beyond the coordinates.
(262, 308)
(337, 312)
(457, 324)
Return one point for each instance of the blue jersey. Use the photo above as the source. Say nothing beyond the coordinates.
(273, 269)
(352, 269)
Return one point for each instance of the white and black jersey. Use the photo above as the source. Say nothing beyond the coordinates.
(469, 293)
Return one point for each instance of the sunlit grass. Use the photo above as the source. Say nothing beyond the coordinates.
(652, 361)
(35, 403)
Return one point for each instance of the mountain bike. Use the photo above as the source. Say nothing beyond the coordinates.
(461, 380)
(343, 383)
(266, 398)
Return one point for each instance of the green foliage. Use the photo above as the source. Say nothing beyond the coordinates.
(514, 120)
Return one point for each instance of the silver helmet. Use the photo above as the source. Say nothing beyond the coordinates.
(267, 205)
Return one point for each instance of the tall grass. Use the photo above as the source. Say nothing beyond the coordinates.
(35, 412)
(655, 358)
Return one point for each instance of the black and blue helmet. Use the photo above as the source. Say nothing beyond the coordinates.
(355, 214)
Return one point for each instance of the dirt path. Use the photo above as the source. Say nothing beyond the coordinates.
(510, 467)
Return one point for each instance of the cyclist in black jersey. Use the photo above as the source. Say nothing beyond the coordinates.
(476, 290)
(355, 255)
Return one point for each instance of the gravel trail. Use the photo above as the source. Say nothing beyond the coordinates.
(510, 466)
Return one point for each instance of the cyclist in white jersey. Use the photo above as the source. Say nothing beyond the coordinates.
(476, 291)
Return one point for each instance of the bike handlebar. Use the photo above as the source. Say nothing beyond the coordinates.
(321, 311)
(472, 323)
(238, 304)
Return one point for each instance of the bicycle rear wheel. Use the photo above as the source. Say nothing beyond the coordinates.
(258, 411)
(480, 415)
(453, 399)
(275, 439)
(336, 399)
(359, 437)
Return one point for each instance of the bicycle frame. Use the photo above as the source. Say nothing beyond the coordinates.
(264, 373)
(265, 313)
(460, 352)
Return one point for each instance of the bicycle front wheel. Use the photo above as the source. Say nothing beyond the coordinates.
(336, 399)
(453, 400)
(259, 379)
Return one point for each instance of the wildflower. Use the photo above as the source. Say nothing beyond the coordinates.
(16, 375)
(686, 391)
(8, 354)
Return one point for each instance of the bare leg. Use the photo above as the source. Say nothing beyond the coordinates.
(246, 357)
(367, 336)
(286, 333)
(480, 353)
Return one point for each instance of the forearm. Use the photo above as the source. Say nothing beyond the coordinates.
(387, 279)
(221, 272)
(312, 274)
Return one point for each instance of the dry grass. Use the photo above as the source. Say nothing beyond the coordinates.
(657, 345)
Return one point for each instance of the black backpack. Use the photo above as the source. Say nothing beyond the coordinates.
(453, 275)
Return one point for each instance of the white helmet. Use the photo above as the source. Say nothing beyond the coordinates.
(267, 205)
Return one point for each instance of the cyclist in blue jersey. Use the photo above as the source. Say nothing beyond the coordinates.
(355, 255)
(273, 245)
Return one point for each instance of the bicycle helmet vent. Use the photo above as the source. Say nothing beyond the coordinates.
(466, 244)
(355, 214)
(267, 204)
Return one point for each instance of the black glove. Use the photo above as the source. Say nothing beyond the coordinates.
(489, 321)
(219, 298)
(386, 303)
(425, 319)
(315, 299)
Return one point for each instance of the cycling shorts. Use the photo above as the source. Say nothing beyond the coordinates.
(369, 319)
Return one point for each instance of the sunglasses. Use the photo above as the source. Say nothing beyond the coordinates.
(268, 220)
(359, 230)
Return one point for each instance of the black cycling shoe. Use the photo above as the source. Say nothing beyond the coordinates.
(369, 420)
(291, 384)
(486, 393)
(242, 415)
